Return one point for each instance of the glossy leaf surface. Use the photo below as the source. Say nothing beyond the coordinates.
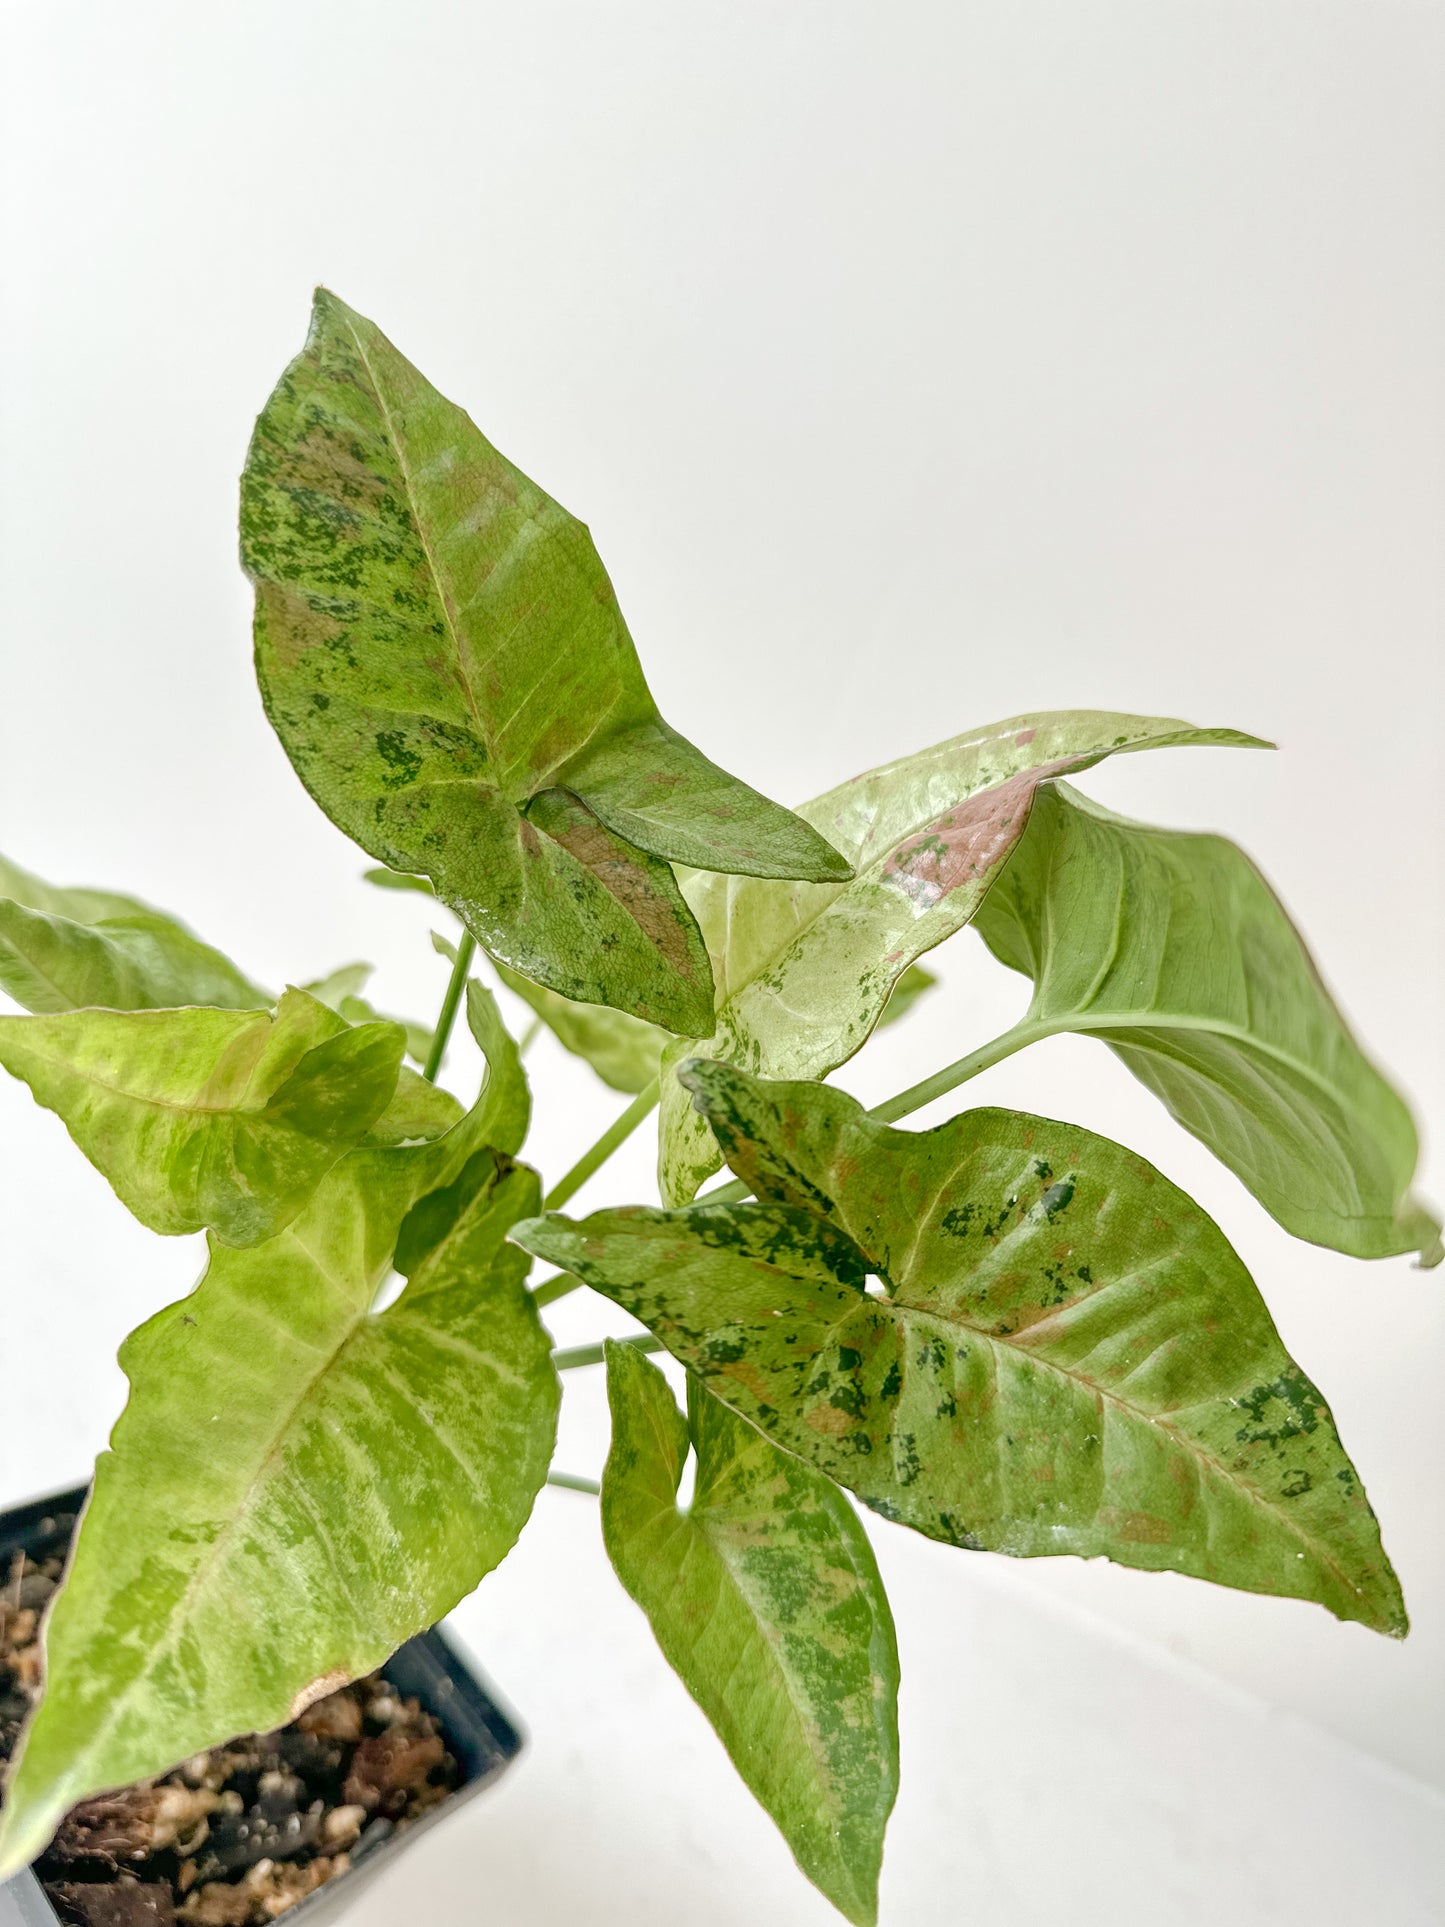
(73, 949)
(1066, 1355)
(765, 1597)
(209, 1118)
(1173, 950)
(442, 654)
(804, 971)
(297, 1484)
(624, 1051)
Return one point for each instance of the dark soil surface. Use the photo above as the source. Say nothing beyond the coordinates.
(235, 1836)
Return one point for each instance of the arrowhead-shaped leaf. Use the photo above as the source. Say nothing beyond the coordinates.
(1172, 949)
(209, 1118)
(804, 971)
(442, 655)
(298, 1483)
(765, 1597)
(75, 949)
(1065, 1356)
(624, 1051)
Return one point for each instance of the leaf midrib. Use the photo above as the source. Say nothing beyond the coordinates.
(951, 1323)
(205, 1569)
(443, 599)
(692, 1524)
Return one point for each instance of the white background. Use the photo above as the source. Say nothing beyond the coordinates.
(914, 365)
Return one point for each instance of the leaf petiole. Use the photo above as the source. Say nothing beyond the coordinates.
(566, 1361)
(592, 1160)
(574, 1482)
(917, 1095)
(959, 1072)
(457, 983)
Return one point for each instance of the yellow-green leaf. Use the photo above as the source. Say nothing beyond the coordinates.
(765, 1597)
(299, 1483)
(209, 1118)
(78, 949)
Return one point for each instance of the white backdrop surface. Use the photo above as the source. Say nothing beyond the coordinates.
(914, 365)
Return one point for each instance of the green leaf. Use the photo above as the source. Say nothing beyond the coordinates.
(339, 986)
(78, 949)
(765, 1597)
(915, 982)
(398, 880)
(442, 655)
(804, 972)
(1172, 949)
(624, 1051)
(416, 1113)
(79, 906)
(298, 1483)
(1063, 1353)
(505, 1106)
(209, 1118)
(341, 991)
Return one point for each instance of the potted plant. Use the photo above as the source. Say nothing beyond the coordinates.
(1006, 1332)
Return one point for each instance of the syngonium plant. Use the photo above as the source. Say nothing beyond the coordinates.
(1005, 1332)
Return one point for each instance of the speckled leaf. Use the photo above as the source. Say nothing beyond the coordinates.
(77, 949)
(804, 971)
(209, 1118)
(765, 1597)
(298, 1483)
(442, 655)
(624, 1051)
(1173, 950)
(1063, 1353)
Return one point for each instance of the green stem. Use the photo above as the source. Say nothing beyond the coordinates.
(617, 1132)
(457, 983)
(567, 1361)
(917, 1095)
(554, 1288)
(573, 1482)
(952, 1075)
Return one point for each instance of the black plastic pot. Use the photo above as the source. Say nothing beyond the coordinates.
(479, 1732)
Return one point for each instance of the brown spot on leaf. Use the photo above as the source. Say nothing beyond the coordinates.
(828, 1420)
